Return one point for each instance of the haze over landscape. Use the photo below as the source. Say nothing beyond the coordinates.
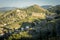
(29, 19)
(25, 3)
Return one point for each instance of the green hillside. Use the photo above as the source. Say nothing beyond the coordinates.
(29, 23)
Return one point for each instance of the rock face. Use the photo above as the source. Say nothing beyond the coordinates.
(39, 15)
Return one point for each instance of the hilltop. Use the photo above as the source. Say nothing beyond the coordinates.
(35, 8)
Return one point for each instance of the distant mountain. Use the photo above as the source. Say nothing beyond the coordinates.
(47, 6)
(3, 9)
(33, 8)
(55, 9)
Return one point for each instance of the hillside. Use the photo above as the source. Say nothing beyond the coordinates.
(33, 12)
(27, 23)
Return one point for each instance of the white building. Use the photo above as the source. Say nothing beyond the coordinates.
(22, 29)
(18, 10)
(27, 27)
(5, 24)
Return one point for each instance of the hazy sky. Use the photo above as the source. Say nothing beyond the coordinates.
(24, 3)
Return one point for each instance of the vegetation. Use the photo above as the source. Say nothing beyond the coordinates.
(32, 23)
